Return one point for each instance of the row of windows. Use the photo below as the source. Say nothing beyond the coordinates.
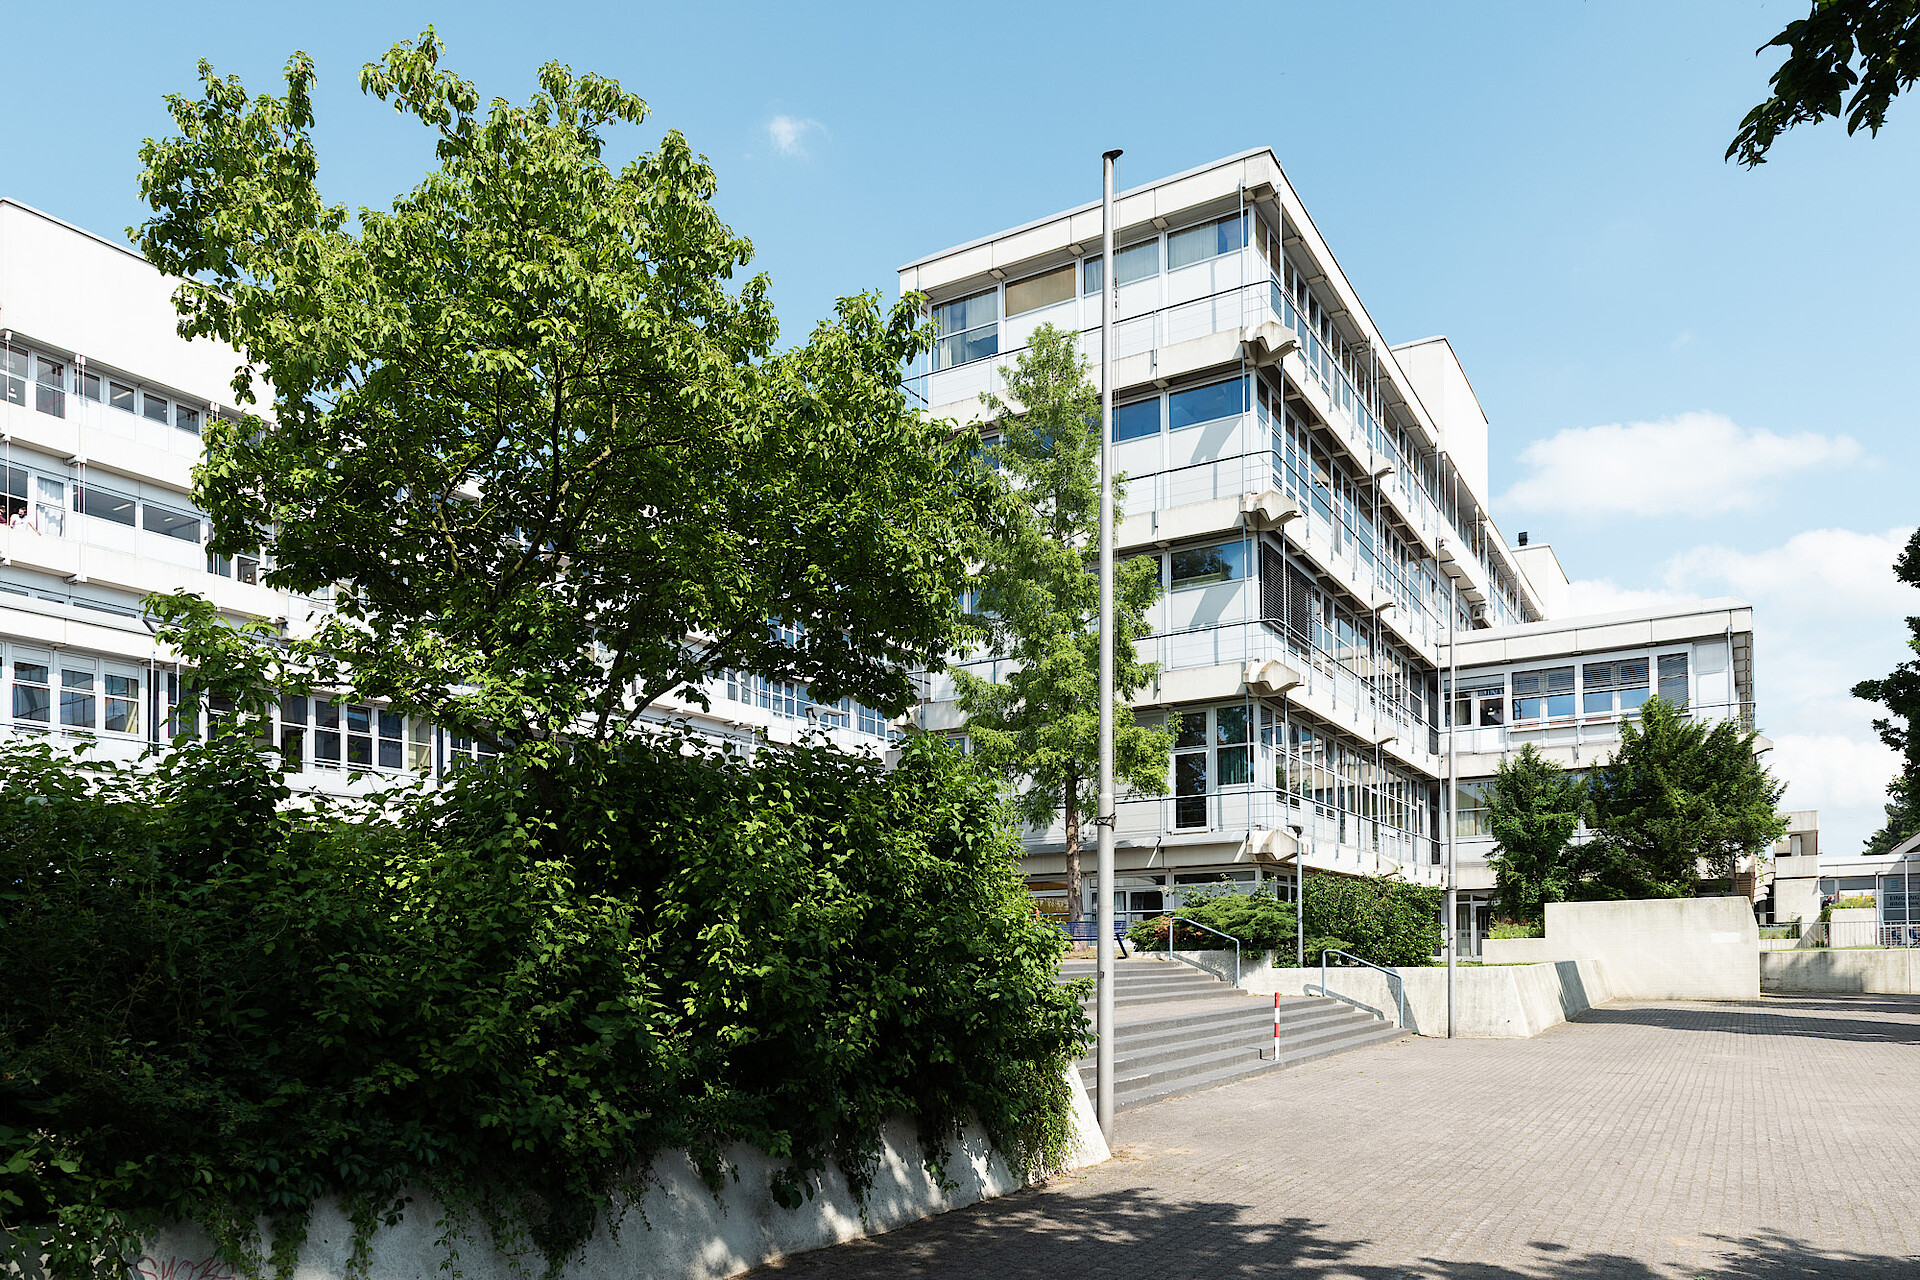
(1178, 410)
(968, 328)
(54, 378)
(1611, 688)
(40, 502)
(790, 701)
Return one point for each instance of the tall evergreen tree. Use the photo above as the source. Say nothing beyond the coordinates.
(1534, 806)
(1899, 693)
(1676, 794)
(1038, 605)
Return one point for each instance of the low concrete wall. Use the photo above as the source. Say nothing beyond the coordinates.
(678, 1231)
(1490, 1003)
(1894, 971)
(1652, 949)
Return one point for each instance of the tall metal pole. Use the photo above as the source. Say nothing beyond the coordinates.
(1103, 1069)
(1453, 791)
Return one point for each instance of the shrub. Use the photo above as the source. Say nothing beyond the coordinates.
(1525, 929)
(1385, 920)
(221, 1010)
(1854, 901)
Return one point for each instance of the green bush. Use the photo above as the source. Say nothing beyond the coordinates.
(218, 1009)
(1522, 929)
(1385, 920)
(1854, 901)
(1258, 920)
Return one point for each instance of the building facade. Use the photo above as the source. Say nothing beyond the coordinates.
(102, 406)
(1317, 500)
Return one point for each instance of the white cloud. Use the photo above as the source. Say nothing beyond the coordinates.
(1834, 773)
(1698, 464)
(789, 134)
(1604, 595)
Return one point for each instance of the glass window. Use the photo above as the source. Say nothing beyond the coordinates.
(1470, 813)
(122, 704)
(15, 366)
(1673, 678)
(1043, 290)
(247, 569)
(1612, 687)
(1136, 421)
(1208, 240)
(391, 726)
(969, 329)
(1543, 695)
(50, 386)
(419, 744)
(219, 566)
(1232, 731)
(154, 407)
(1205, 566)
(76, 699)
(120, 395)
(1190, 771)
(293, 733)
(186, 419)
(104, 503)
(1136, 263)
(1195, 405)
(87, 385)
(326, 732)
(359, 735)
(31, 696)
(184, 525)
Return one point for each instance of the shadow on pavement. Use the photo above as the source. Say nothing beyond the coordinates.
(1040, 1235)
(1766, 1018)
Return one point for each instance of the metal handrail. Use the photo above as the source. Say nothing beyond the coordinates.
(1175, 921)
(1399, 982)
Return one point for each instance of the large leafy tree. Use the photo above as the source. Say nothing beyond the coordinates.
(1899, 693)
(532, 424)
(1846, 57)
(1038, 598)
(1676, 795)
(1534, 806)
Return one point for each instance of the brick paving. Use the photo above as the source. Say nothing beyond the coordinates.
(1644, 1141)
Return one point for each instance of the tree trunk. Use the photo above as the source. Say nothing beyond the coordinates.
(1073, 850)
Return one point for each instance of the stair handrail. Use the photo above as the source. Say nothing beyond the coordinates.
(1174, 922)
(1398, 980)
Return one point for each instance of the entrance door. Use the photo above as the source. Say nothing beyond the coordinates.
(1473, 917)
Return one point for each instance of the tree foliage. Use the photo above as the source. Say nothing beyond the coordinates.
(1676, 795)
(528, 419)
(1534, 807)
(1038, 594)
(1846, 57)
(1899, 693)
(220, 1009)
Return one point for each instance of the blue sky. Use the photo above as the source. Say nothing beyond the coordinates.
(1699, 378)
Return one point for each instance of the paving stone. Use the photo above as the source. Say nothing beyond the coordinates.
(1646, 1141)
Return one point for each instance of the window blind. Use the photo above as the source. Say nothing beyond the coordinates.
(1627, 673)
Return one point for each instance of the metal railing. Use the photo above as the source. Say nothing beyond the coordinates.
(1398, 983)
(1173, 926)
(1821, 935)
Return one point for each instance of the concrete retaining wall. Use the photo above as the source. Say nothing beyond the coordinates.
(1507, 1002)
(1888, 972)
(678, 1231)
(1652, 949)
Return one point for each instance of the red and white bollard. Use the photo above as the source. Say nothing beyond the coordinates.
(1276, 1026)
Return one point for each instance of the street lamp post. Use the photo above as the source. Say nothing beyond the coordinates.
(1103, 1059)
(1452, 704)
(1299, 896)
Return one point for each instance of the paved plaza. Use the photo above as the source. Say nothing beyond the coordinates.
(1768, 1139)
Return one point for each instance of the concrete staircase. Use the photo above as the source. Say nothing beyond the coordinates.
(1178, 1030)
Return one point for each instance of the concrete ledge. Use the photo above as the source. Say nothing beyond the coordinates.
(1503, 1002)
(1653, 949)
(1886, 972)
(679, 1230)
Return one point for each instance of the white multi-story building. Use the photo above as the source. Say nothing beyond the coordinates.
(101, 409)
(1317, 498)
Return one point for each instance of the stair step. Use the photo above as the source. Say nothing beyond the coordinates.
(1125, 1098)
(1194, 1039)
(1139, 1071)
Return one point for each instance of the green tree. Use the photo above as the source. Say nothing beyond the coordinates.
(1038, 605)
(1899, 693)
(1534, 806)
(1675, 795)
(1869, 49)
(528, 420)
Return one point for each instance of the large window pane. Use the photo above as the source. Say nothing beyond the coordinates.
(76, 699)
(1138, 262)
(1216, 400)
(1208, 240)
(104, 503)
(184, 525)
(31, 697)
(1043, 290)
(122, 705)
(1673, 678)
(1205, 566)
(154, 407)
(1136, 421)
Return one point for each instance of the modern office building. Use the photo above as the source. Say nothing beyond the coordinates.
(101, 410)
(1317, 498)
